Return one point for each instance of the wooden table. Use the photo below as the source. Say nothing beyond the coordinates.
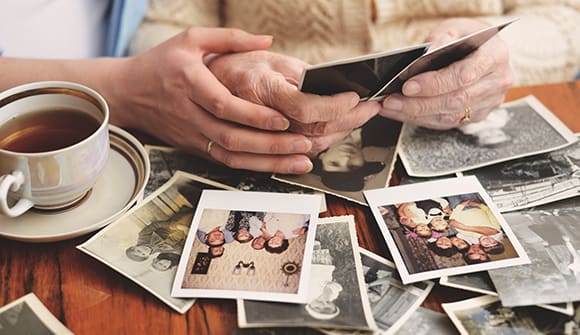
(91, 298)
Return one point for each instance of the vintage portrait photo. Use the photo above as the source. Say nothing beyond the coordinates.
(249, 245)
(28, 315)
(532, 181)
(517, 129)
(146, 243)
(552, 241)
(485, 315)
(337, 296)
(424, 321)
(442, 228)
(363, 160)
(392, 302)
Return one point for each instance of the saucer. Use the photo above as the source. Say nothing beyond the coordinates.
(119, 187)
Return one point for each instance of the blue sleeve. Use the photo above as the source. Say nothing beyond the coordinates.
(124, 18)
(228, 235)
(200, 235)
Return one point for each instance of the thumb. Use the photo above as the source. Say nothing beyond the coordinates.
(223, 40)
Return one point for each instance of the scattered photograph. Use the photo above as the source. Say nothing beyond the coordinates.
(517, 129)
(166, 160)
(28, 315)
(146, 243)
(424, 321)
(478, 282)
(486, 315)
(532, 181)
(443, 228)
(337, 297)
(552, 243)
(363, 160)
(259, 244)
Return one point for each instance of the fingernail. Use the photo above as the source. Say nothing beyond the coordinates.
(393, 104)
(279, 123)
(467, 76)
(301, 146)
(300, 166)
(412, 87)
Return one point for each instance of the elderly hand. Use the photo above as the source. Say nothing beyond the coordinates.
(441, 99)
(170, 93)
(271, 79)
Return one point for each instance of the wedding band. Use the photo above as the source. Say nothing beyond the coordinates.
(467, 117)
(209, 145)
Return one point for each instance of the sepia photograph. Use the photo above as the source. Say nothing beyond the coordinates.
(337, 296)
(363, 160)
(442, 228)
(552, 241)
(145, 245)
(534, 180)
(249, 245)
(517, 129)
(485, 315)
(28, 315)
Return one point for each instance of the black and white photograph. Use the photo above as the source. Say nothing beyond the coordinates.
(145, 245)
(424, 321)
(516, 129)
(442, 228)
(532, 181)
(337, 296)
(486, 315)
(249, 245)
(552, 241)
(363, 160)
(392, 302)
(28, 315)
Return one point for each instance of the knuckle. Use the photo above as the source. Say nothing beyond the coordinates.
(232, 161)
(227, 141)
(217, 106)
(458, 100)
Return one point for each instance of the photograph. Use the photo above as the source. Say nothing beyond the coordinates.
(145, 244)
(363, 160)
(249, 245)
(532, 181)
(552, 242)
(165, 161)
(28, 315)
(337, 296)
(442, 228)
(516, 129)
(424, 321)
(485, 315)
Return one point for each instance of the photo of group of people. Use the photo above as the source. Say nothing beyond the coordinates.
(443, 234)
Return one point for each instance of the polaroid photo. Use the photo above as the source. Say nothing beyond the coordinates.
(532, 181)
(553, 244)
(165, 161)
(443, 228)
(257, 245)
(486, 315)
(337, 296)
(363, 160)
(28, 315)
(146, 243)
(517, 129)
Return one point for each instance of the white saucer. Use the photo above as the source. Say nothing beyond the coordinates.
(120, 187)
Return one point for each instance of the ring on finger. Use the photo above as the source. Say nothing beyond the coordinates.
(467, 116)
(209, 146)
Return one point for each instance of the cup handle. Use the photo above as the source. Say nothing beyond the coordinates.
(13, 182)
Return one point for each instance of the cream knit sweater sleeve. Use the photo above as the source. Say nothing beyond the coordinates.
(390, 10)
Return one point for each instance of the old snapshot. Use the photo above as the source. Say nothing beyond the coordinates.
(517, 129)
(392, 302)
(424, 321)
(534, 180)
(363, 160)
(475, 282)
(28, 315)
(442, 228)
(337, 296)
(552, 242)
(485, 315)
(146, 243)
(249, 245)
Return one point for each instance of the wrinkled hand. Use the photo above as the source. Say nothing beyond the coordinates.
(438, 99)
(174, 96)
(271, 79)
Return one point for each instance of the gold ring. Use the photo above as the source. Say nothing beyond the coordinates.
(467, 117)
(209, 145)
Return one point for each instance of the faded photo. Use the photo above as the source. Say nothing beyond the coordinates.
(336, 296)
(517, 129)
(479, 282)
(424, 321)
(28, 315)
(362, 160)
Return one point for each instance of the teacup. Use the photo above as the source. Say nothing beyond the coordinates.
(54, 144)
